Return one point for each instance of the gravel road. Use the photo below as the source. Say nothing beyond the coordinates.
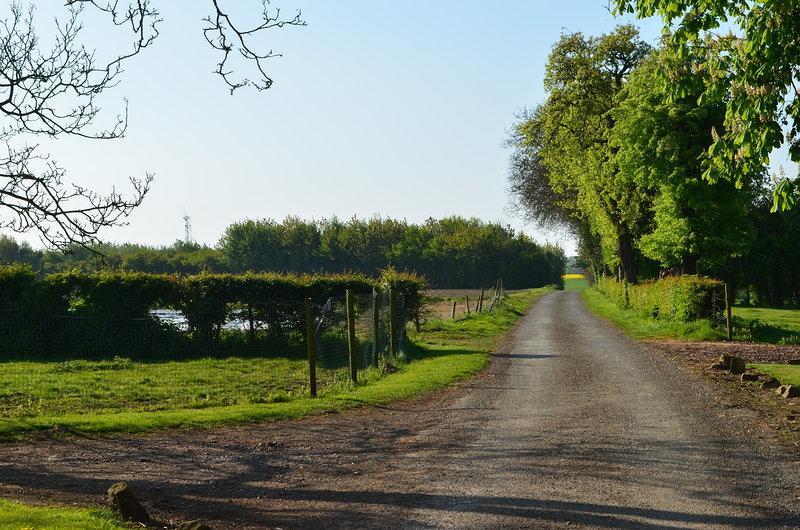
(571, 425)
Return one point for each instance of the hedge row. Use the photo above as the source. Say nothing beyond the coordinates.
(40, 313)
(675, 298)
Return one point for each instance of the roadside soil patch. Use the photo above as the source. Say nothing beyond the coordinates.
(778, 418)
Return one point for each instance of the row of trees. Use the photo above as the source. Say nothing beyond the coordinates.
(632, 151)
(451, 252)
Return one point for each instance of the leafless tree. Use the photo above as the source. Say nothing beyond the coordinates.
(52, 91)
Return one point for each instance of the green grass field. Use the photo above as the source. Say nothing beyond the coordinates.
(442, 353)
(124, 396)
(14, 515)
(640, 327)
(776, 326)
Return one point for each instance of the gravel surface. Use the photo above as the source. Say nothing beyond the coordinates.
(571, 425)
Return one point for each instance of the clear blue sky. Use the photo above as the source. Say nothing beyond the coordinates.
(379, 107)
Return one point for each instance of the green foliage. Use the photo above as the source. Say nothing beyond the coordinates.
(753, 69)
(569, 136)
(641, 326)
(676, 298)
(452, 252)
(661, 144)
(115, 294)
(12, 252)
(769, 270)
(646, 160)
(410, 287)
(71, 313)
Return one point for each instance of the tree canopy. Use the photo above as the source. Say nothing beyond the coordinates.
(623, 152)
(747, 55)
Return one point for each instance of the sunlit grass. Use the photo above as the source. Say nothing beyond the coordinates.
(120, 395)
(777, 326)
(640, 327)
(787, 374)
(17, 516)
(575, 282)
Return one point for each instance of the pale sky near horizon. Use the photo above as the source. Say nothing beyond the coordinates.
(378, 108)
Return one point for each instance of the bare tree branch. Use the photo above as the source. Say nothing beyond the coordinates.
(33, 195)
(53, 91)
(225, 36)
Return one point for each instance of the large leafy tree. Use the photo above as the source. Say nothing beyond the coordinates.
(753, 65)
(570, 135)
(661, 145)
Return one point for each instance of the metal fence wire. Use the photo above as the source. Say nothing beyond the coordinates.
(245, 353)
(266, 329)
(372, 329)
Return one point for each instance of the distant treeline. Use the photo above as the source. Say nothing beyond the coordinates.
(452, 252)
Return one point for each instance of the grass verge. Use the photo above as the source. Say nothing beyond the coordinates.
(640, 327)
(132, 397)
(17, 515)
(787, 374)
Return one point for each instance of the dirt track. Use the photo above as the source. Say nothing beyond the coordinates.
(572, 424)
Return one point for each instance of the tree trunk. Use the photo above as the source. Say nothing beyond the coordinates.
(689, 265)
(626, 259)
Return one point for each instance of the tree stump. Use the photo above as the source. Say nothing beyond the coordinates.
(125, 503)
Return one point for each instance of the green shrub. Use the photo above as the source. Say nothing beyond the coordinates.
(75, 313)
(675, 298)
(114, 294)
(410, 287)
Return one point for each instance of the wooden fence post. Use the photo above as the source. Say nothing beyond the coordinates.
(467, 305)
(251, 336)
(728, 303)
(714, 309)
(351, 337)
(454, 309)
(392, 324)
(480, 301)
(312, 352)
(375, 325)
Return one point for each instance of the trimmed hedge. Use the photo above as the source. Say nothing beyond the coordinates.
(675, 298)
(61, 312)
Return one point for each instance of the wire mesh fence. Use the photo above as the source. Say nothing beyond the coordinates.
(241, 354)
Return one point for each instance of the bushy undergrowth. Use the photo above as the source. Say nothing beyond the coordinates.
(676, 299)
(645, 327)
